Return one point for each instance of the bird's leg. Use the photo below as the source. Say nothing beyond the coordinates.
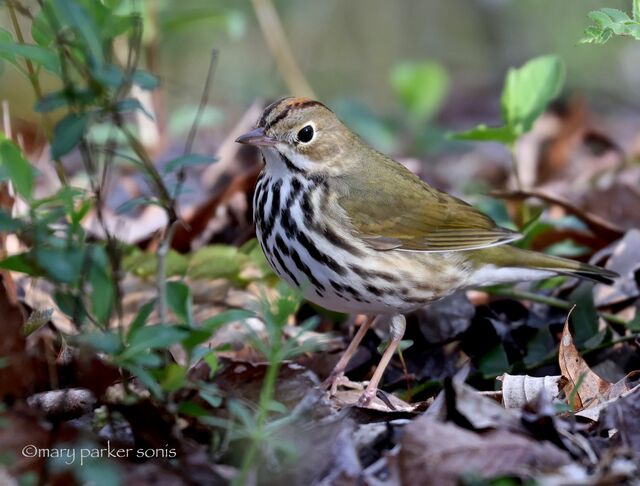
(398, 325)
(337, 375)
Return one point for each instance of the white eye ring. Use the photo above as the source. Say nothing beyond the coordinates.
(306, 134)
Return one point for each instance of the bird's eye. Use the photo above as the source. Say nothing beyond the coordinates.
(305, 135)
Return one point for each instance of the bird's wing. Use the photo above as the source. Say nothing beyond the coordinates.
(390, 208)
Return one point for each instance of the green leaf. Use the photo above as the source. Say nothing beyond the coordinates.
(152, 337)
(133, 104)
(616, 16)
(192, 409)
(145, 80)
(529, 89)
(636, 10)
(187, 161)
(72, 305)
(67, 133)
(212, 398)
(61, 265)
(141, 317)
(21, 263)
(102, 292)
(483, 133)
(232, 315)
(494, 362)
(179, 300)
(421, 88)
(146, 378)
(36, 54)
(584, 318)
(7, 38)
(108, 342)
(217, 261)
(134, 203)
(70, 12)
(601, 19)
(8, 224)
(41, 31)
(211, 359)
(18, 168)
(174, 377)
(144, 264)
(59, 99)
(110, 74)
(609, 21)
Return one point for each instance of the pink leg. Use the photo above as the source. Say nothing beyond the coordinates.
(398, 325)
(337, 375)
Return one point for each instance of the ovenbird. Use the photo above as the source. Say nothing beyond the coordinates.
(357, 232)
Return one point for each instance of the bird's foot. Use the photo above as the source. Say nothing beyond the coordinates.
(366, 397)
(338, 379)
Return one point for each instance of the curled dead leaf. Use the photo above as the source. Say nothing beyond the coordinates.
(584, 387)
(518, 390)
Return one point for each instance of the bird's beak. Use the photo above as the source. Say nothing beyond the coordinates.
(256, 137)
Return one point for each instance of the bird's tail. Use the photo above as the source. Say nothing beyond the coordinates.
(504, 264)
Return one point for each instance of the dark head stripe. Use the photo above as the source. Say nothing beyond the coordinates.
(289, 103)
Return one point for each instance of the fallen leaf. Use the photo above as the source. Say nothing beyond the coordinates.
(625, 260)
(586, 387)
(624, 416)
(518, 390)
(443, 454)
(445, 319)
(350, 397)
(480, 411)
(19, 369)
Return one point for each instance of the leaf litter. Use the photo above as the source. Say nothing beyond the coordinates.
(550, 418)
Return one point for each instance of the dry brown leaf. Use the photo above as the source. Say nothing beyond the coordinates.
(442, 453)
(21, 436)
(482, 412)
(18, 375)
(625, 260)
(591, 389)
(350, 397)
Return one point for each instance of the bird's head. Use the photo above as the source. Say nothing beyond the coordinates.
(303, 135)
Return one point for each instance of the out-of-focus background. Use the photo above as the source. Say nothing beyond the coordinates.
(347, 51)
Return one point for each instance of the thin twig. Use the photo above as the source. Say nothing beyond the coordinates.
(193, 131)
(276, 38)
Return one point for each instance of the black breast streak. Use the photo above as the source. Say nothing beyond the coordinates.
(275, 209)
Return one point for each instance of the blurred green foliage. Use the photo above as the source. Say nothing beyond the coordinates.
(526, 93)
(611, 21)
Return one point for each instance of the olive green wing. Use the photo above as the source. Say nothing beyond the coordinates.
(390, 208)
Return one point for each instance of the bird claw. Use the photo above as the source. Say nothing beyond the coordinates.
(335, 380)
(365, 398)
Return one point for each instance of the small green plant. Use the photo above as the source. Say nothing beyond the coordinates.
(526, 94)
(611, 21)
(93, 50)
(421, 88)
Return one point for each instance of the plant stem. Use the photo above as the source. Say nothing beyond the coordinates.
(525, 213)
(613, 342)
(37, 89)
(276, 38)
(514, 166)
(550, 301)
(266, 396)
(161, 280)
